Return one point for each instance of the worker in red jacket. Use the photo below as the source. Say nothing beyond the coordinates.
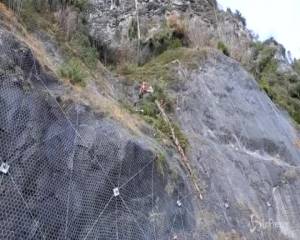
(145, 88)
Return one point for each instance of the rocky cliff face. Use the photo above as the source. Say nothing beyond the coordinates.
(114, 24)
(244, 149)
(77, 172)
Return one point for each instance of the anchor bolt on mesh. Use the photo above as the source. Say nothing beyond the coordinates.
(116, 192)
(4, 167)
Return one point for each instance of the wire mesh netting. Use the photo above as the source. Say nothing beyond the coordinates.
(69, 175)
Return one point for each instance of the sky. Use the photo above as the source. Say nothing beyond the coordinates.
(271, 18)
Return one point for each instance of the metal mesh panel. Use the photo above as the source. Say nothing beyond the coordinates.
(71, 175)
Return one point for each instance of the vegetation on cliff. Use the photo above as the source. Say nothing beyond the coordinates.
(66, 21)
(281, 86)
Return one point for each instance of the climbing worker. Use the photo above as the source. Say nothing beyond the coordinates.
(145, 88)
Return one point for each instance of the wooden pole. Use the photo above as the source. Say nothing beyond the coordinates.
(138, 29)
(185, 161)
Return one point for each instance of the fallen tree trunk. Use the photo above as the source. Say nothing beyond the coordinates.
(185, 161)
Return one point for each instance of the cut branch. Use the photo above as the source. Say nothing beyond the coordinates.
(185, 161)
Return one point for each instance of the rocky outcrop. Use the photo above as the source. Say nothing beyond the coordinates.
(281, 56)
(113, 24)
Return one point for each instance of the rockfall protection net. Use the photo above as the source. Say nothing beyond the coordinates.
(66, 175)
(69, 179)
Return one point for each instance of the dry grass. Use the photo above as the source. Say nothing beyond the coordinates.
(5, 12)
(8, 19)
(67, 19)
(11, 23)
(89, 96)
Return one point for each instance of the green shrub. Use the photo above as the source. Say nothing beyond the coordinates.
(31, 17)
(80, 4)
(175, 43)
(81, 44)
(151, 114)
(257, 47)
(292, 78)
(162, 126)
(181, 137)
(264, 85)
(149, 109)
(296, 66)
(148, 104)
(281, 91)
(164, 40)
(31, 7)
(78, 45)
(223, 48)
(161, 163)
(296, 116)
(266, 61)
(72, 70)
(161, 96)
(157, 71)
(282, 88)
(127, 69)
(295, 91)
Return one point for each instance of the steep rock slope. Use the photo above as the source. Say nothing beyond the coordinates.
(68, 162)
(74, 174)
(244, 148)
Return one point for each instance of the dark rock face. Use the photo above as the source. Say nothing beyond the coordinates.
(244, 149)
(73, 175)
